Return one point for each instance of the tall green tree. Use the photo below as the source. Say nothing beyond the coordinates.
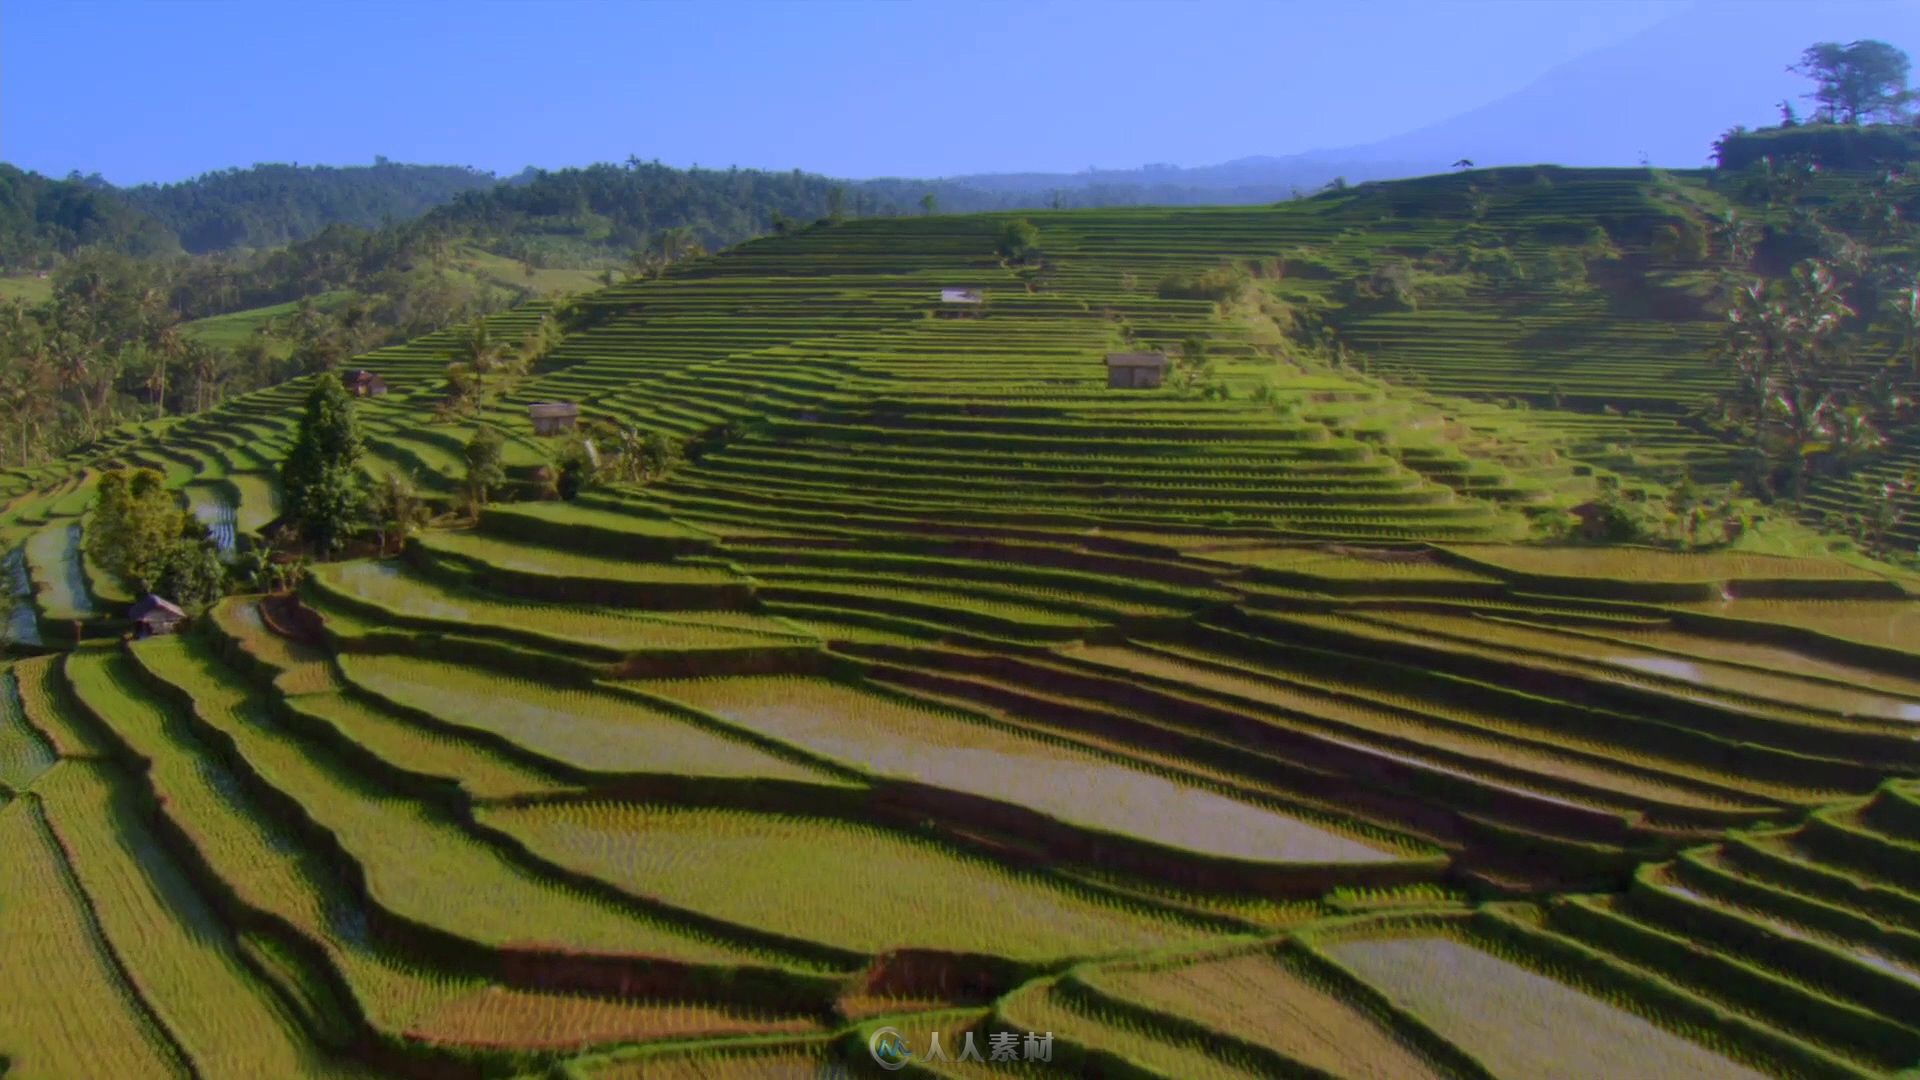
(135, 519)
(484, 470)
(325, 492)
(139, 533)
(1019, 240)
(189, 571)
(1858, 81)
(396, 509)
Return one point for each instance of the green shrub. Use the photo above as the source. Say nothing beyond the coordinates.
(1390, 284)
(1219, 285)
(1019, 240)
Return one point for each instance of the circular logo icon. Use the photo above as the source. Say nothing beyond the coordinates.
(889, 1049)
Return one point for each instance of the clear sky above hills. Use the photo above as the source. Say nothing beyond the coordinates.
(163, 90)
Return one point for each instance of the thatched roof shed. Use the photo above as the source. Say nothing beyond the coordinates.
(153, 614)
(553, 417)
(1136, 370)
(364, 383)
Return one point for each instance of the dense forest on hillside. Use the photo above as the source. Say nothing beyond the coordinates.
(594, 214)
(271, 205)
(606, 212)
(43, 219)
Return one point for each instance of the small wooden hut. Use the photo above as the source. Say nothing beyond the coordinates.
(553, 417)
(152, 615)
(1136, 370)
(364, 383)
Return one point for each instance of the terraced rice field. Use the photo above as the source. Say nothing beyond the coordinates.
(585, 729)
(844, 884)
(1520, 1023)
(890, 737)
(24, 752)
(395, 596)
(943, 688)
(1257, 997)
(177, 954)
(71, 1006)
(568, 1024)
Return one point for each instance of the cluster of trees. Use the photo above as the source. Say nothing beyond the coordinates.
(616, 453)
(1690, 515)
(1219, 284)
(43, 219)
(329, 503)
(486, 365)
(1019, 241)
(139, 533)
(273, 205)
(109, 345)
(1821, 331)
(602, 213)
(1815, 387)
(1193, 371)
(327, 500)
(1855, 82)
(1861, 108)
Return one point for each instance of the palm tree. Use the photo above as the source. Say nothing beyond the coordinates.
(203, 370)
(1814, 312)
(169, 345)
(1736, 238)
(479, 349)
(1906, 310)
(1802, 422)
(396, 509)
(673, 243)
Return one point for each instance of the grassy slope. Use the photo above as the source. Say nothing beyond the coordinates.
(25, 288)
(234, 328)
(472, 268)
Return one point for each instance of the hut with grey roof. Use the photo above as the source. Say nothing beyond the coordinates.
(1136, 370)
(152, 615)
(364, 383)
(553, 417)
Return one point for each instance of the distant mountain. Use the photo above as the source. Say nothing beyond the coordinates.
(1666, 92)
(1258, 179)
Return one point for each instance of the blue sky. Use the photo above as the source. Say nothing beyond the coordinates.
(144, 91)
